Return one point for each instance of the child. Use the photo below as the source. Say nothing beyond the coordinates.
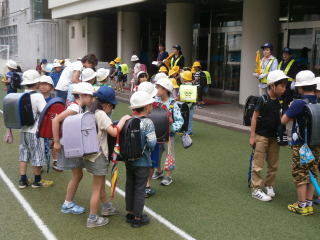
(306, 84)
(83, 97)
(196, 81)
(97, 164)
(264, 127)
(175, 73)
(165, 87)
(112, 73)
(318, 87)
(138, 170)
(102, 77)
(137, 66)
(141, 77)
(46, 85)
(31, 147)
(12, 66)
(56, 73)
(62, 62)
(118, 72)
(163, 69)
(88, 75)
(175, 88)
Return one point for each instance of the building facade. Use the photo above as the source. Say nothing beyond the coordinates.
(224, 35)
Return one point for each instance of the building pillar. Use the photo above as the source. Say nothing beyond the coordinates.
(179, 29)
(95, 37)
(128, 37)
(260, 25)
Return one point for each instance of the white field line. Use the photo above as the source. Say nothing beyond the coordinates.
(158, 217)
(1, 111)
(39, 223)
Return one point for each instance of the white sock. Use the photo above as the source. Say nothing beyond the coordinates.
(55, 160)
(66, 202)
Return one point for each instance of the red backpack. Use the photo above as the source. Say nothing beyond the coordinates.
(143, 67)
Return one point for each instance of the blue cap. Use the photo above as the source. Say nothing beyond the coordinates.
(177, 47)
(44, 60)
(267, 45)
(106, 94)
(288, 50)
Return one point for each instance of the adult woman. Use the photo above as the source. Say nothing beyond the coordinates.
(162, 55)
(268, 64)
(177, 59)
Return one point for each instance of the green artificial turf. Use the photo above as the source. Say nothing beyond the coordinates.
(208, 199)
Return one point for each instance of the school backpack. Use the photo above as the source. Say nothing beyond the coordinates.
(185, 113)
(160, 119)
(53, 108)
(80, 135)
(188, 93)
(17, 110)
(16, 80)
(205, 78)
(143, 67)
(124, 69)
(129, 141)
(311, 120)
(250, 104)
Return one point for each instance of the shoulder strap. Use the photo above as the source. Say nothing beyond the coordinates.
(265, 102)
(32, 92)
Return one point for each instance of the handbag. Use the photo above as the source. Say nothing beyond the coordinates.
(169, 165)
(186, 140)
(8, 138)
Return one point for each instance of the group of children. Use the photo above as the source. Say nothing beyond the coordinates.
(267, 124)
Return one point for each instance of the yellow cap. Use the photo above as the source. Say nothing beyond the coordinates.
(112, 63)
(175, 68)
(193, 71)
(187, 75)
(171, 72)
(163, 69)
(196, 64)
(117, 60)
(175, 85)
(61, 61)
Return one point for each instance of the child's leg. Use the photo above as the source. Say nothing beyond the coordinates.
(302, 192)
(24, 154)
(121, 84)
(272, 162)
(161, 151)
(190, 119)
(141, 179)
(74, 183)
(103, 194)
(23, 168)
(54, 155)
(150, 176)
(96, 193)
(130, 187)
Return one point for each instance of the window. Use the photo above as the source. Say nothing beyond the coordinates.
(8, 36)
(72, 32)
(83, 31)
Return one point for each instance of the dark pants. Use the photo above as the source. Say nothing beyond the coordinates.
(11, 90)
(62, 94)
(200, 91)
(287, 96)
(137, 178)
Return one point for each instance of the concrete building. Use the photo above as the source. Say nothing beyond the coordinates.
(223, 35)
(27, 27)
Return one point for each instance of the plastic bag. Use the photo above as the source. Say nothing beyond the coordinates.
(8, 138)
(306, 155)
(186, 140)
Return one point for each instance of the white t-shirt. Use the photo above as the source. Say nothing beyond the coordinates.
(38, 103)
(136, 66)
(67, 75)
(73, 107)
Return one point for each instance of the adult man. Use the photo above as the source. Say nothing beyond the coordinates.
(290, 68)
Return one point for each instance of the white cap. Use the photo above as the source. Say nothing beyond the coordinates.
(56, 61)
(134, 58)
(305, 78)
(12, 64)
(83, 88)
(160, 75)
(79, 58)
(275, 76)
(141, 73)
(149, 88)
(166, 83)
(102, 73)
(140, 99)
(46, 79)
(318, 83)
(30, 77)
(67, 60)
(88, 74)
(56, 64)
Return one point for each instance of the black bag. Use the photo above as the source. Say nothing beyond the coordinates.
(160, 119)
(311, 120)
(185, 113)
(249, 105)
(16, 80)
(203, 79)
(129, 141)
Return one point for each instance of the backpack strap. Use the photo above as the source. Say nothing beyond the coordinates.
(307, 101)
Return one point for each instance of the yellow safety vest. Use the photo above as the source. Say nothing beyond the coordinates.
(264, 80)
(188, 93)
(124, 69)
(287, 68)
(175, 63)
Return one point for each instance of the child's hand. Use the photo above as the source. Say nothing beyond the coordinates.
(126, 117)
(57, 147)
(253, 141)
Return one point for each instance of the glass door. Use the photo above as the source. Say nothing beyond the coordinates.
(217, 60)
(316, 53)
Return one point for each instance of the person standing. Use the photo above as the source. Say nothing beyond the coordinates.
(162, 55)
(178, 58)
(290, 68)
(268, 64)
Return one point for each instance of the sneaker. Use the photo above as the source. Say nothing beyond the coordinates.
(191, 134)
(202, 104)
(115, 88)
(180, 133)
(317, 201)
(149, 192)
(55, 167)
(24, 184)
(119, 90)
(199, 106)
(139, 223)
(157, 174)
(109, 211)
(98, 222)
(259, 194)
(122, 90)
(310, 210)
(130, 217)
(42, 183)
(166, 180)
(296, 209)
(72, 208)
(270, 191)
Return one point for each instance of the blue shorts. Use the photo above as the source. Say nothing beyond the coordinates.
(155, 156)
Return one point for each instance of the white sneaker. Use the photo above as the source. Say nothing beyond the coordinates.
(259, 194)
(270, 191)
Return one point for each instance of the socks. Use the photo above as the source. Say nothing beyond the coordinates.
(309, 203)
(37, 178)
(148, 188)
(107, 205)
(66, 202)
(23, 178)
(55, 160)
(302, 204)
(92, 217)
